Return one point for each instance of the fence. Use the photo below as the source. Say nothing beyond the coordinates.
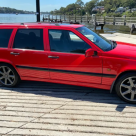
(95, 20)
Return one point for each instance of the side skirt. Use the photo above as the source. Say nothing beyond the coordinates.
(99, 86)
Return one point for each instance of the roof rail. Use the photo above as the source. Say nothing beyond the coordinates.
(58, 22)
(74, 22)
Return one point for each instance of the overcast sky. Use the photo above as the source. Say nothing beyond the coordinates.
(46, 5)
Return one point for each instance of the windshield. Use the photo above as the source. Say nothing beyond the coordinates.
(98, 40)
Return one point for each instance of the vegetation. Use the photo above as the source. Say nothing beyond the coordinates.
(12, 10)
(5, 10)
(81, 8)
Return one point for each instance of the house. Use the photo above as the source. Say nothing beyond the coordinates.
(98, 9)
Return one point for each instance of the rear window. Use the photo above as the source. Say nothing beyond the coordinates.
(31, 39)
(4, 37)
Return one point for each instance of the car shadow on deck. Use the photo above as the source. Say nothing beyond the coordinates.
(77, 93)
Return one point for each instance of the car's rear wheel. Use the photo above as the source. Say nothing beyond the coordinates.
(8, 76)
(126, 87)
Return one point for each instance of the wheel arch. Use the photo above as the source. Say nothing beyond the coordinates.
(9, 63)
(121, 74)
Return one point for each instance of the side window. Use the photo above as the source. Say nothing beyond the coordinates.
(4, 37)
(74, 37)
(66, 41)
(56, 34)
(29, 39)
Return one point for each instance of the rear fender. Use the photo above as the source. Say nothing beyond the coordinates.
(8, 62)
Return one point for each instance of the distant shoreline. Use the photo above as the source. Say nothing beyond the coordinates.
(21, 14)
(17, 13)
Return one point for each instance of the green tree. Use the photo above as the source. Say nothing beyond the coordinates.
(109, 5)
(108, 8)
(129, 3)
(71, 7)
(101, 3)
(90, 5)
(62, 10)
(80, 3)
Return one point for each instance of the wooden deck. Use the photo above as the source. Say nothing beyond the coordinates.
(96, 21)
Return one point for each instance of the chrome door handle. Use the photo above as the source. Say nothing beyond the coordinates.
(53, 57)
(14, 53)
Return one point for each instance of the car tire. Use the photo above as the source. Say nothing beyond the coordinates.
(126, 87)
(8, 75)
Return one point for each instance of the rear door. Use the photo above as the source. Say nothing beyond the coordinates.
(5, 40)
(28, 53)
(67, 59)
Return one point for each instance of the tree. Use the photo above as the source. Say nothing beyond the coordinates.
(71, 7)
(90, 5)
(62, 10)
(129, 3)
(108, 8)
(116, 3)
(109, 5)
(80, 3)
(101, 3)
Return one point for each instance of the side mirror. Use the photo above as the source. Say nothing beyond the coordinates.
(90, 52)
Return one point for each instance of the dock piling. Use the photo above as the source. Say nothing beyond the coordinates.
(132, 29)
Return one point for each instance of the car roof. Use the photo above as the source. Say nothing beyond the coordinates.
(39, 25)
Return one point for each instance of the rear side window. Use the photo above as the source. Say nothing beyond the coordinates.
(4, 37)
(31, 39)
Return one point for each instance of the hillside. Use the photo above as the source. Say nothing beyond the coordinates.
(14, 11)
(110, 7)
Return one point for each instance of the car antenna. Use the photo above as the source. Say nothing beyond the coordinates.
(21, 23)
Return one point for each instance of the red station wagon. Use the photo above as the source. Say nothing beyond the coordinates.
(66, 54)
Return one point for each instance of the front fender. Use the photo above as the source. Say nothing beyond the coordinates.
(124, 70)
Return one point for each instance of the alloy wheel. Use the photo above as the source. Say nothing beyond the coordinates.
(128, 89)
(7, 76)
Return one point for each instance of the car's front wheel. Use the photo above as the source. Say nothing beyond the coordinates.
(126, 87)
(8, 76)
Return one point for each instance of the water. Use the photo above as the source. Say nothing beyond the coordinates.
(21, 18)
(110, 29)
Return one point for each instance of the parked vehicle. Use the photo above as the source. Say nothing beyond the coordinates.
(66, 54)
(133, 9)
(120, 10)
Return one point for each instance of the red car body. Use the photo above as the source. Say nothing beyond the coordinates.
(100, 71)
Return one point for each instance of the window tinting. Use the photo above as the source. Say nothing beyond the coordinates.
(56, 34)
(29, 39)
(100, 41)
(66, 41)
(4, 37)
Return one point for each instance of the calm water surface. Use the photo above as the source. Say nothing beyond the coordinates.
(13, 18)
(21, 18)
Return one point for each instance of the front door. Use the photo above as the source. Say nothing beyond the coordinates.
(67, 59)
(28, 54)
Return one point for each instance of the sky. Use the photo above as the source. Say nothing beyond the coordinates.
(29, 5)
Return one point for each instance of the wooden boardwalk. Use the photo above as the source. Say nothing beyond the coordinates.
(45, 109)
(96, 20)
